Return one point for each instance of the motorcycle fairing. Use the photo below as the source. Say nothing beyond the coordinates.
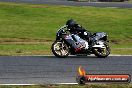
(77, 46)
(100, 36)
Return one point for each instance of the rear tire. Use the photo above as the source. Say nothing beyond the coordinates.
(60, 49)
(102, 53)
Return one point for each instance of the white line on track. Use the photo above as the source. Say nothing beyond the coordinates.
(38, 84)
(75, 55)
(18, 84)
(67, 83)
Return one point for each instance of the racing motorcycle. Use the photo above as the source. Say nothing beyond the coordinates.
(71, 44)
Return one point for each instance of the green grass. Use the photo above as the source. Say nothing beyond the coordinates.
(75, 86)
(39, 23)
(129, 1)
(14, 49)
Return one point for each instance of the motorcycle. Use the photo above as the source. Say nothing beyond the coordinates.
(71, 44)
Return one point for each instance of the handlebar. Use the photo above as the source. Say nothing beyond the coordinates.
(62, 28)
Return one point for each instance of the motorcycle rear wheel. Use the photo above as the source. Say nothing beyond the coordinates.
(60, 49)
(102, 52)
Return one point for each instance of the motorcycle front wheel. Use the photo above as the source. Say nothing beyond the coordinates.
(102, 52)
(60, 49)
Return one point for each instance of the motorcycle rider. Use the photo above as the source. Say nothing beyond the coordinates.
(75, 28)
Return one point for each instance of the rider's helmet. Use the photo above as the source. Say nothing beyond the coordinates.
(70, 23)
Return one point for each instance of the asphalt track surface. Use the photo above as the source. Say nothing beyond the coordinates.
(71, 3)
(50, 70)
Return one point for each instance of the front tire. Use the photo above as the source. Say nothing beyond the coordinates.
(102, 52)
(60, 49)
